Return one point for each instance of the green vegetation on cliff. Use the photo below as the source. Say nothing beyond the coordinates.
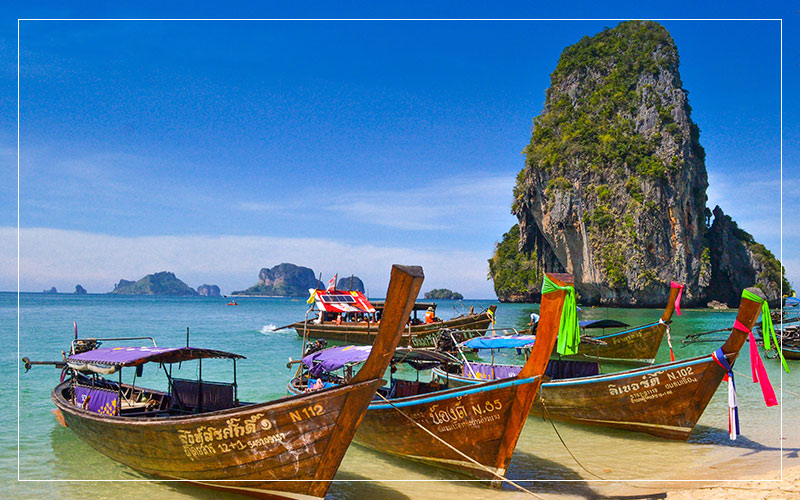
(515, 274)
(163, 283)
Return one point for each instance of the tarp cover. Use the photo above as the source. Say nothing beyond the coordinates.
(499, 342)
(334, 358)
(792, 301)
(601, 323)
(130, 356)
(328, 360)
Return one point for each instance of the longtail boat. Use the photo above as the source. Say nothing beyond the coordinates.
(200, 432)
(348, 316)
(664, 400)
(472, 430)
(638, 345)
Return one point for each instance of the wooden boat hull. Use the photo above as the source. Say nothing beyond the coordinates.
(791, 352)
(664, 401)
(638, 345)
(423, 335)
(250, 450)
(474, 420)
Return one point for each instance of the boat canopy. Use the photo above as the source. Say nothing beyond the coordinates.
(792, 301)
(602, 323)
(110, 359)
(499, 342)
(328, 360)
(340, 301)
(418, 306)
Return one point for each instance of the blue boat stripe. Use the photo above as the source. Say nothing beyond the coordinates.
(626, 331)
(614, 376)
(450, 395)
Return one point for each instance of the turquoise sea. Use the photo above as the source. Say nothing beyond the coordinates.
(41, 459)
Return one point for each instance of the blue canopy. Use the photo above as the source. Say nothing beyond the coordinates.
(792, 301)
(499, 342)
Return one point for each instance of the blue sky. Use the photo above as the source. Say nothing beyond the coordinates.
(213, 149)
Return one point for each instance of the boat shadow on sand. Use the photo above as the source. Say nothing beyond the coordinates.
(535, 474)
(705, 435)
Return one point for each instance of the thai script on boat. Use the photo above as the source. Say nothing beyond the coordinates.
(647, 381)
(644, 396)
(458, 413)
(272, 439)
(681, 376)
(199, 442)
(469, 423)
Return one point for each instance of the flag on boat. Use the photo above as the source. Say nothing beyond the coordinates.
(332, 282)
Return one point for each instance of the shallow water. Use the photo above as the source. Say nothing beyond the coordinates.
(49, 460)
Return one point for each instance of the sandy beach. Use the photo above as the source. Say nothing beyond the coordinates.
(769, 486)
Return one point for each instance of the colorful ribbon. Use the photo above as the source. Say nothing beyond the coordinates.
(568, 330)
(678, 298)
(757, 367)
(767, 327)
(733, 410)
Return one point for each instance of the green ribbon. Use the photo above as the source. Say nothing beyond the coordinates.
(767, 328)
(569, 335)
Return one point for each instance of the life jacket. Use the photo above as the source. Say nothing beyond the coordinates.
(429, 317)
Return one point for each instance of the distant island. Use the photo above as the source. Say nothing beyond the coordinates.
(79, 290)
(290, 280)
(208, 290)
(443, 294)
(52, 290)
(163, 283)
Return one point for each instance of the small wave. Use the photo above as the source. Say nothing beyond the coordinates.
(268, 328)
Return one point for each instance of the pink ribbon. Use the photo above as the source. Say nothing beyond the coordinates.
(757, 366)
(678, 298)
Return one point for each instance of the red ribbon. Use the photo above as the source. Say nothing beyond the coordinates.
(678, 298)
(757, 366)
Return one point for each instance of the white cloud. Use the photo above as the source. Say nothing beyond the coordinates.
(440, 205)
(64, 258)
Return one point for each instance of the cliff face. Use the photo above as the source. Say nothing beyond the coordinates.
(208, 290)
(614, 184)
(285, 280)
(163, 283)
(350, 284)
(740, 262)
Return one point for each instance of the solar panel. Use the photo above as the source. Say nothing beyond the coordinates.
(338, 299)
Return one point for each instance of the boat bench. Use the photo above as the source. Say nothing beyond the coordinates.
(405, 388)
(215, 395)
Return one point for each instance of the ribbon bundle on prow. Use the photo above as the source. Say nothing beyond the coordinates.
(767, 328)
(733, 407)
(568, 331)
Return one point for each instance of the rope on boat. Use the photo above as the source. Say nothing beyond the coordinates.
(459, 452)
(547, 417)
(552, 423)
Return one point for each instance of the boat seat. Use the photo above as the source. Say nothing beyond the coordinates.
(215, 395)
(405, 388)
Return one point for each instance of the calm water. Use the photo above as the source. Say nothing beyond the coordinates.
(51, 461)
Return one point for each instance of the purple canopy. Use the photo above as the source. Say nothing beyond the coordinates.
(131, 356)
(334, 358)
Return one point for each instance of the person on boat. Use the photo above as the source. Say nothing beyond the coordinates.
(534, 322)
(430, 315)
